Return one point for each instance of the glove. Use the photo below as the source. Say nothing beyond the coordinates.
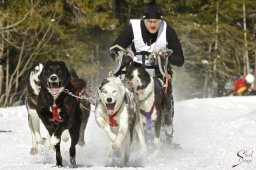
(126, 61)
(165, 53)
(113, 53)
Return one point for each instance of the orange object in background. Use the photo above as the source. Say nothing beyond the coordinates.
(239, 83)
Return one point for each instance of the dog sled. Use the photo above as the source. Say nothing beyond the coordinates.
(159, 59)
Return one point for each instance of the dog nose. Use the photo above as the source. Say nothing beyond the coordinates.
(109, 100)
(53, 78)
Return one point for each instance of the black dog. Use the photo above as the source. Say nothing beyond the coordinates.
(57, 109)
(85, 105)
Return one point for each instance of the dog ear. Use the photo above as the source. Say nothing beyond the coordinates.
(67, 73)
(33, 65)
(47, 63)
(120, 85)
(99, 93)
(131, 68)
(73, 74)
(117, 80)
(104, 81)
(100, 96)
(42, 78)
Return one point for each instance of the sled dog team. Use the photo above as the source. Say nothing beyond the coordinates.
(125, 109)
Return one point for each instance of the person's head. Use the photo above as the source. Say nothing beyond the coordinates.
(249, 79)
(152, 17)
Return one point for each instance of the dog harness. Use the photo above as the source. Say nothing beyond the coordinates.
(112, 121)
(140, 45)
(55, 114)
(148, 115)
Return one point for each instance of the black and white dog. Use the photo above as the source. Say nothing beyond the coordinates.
(154, 103)
(117, 113)
(33, 89)
(57, 109)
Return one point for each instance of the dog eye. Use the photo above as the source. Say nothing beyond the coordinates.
(104, 92)
(114, 92)
(49, 71)
(35, 71)
(59, 71)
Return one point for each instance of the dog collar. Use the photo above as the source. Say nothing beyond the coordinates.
(148, 114)
(112, 121)
(55, 114)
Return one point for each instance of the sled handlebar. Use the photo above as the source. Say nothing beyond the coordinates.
(161, 54)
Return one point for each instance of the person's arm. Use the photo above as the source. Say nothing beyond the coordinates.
(124, 39)
(177, 58)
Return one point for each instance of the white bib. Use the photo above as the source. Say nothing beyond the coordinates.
(139, 44)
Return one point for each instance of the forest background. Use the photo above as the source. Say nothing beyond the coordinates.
(218, 38)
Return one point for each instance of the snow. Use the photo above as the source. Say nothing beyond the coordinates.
(215, 133)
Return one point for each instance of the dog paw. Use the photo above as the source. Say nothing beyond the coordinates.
(81, 142)
(33, 151)
(41, 141)
(168, 129)
(54, 140)
(73, 162)
(116, 145)
(65, 135)
(157, 142)
(78, 147)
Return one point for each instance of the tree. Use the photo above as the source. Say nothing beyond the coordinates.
(212, 37)
(43, 30)
(1, 58)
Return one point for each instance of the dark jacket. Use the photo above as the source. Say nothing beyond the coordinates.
(125, 39)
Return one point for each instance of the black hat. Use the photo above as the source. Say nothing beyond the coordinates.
(152, 11)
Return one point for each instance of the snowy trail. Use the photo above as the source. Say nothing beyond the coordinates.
(211, 132)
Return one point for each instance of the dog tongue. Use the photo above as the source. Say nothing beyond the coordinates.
(110, 112)
(54, 88)
(110, 107)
